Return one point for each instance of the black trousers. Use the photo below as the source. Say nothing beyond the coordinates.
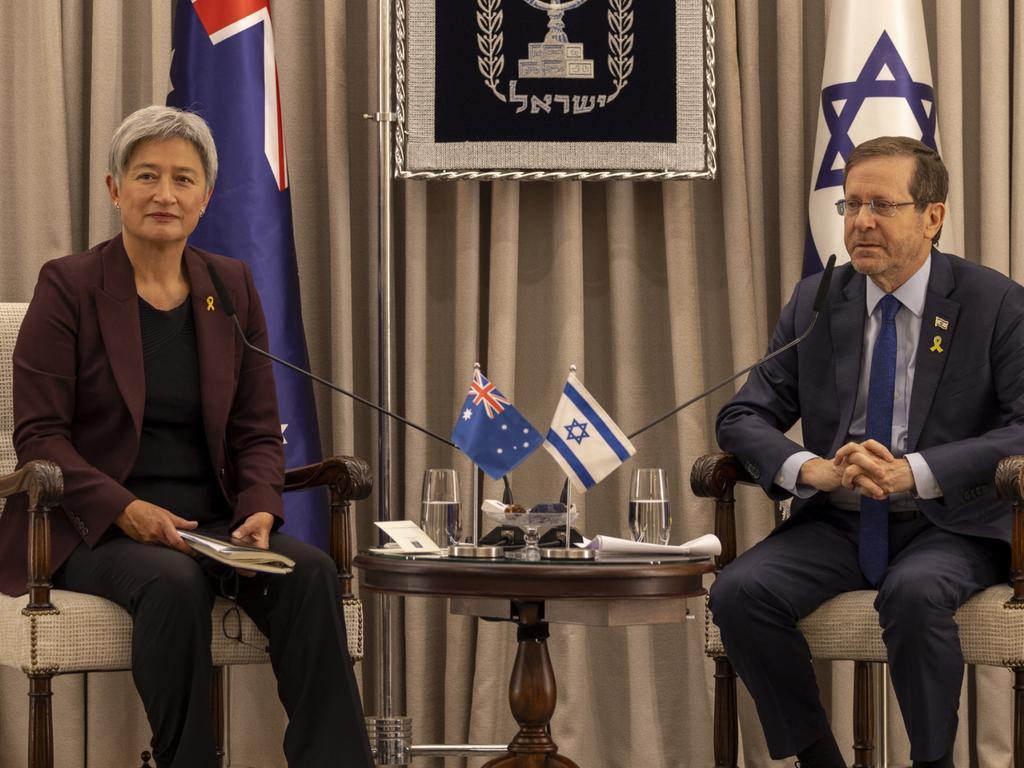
(170, 595)
(757, 600)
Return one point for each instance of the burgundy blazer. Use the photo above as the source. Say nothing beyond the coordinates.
(79, 394)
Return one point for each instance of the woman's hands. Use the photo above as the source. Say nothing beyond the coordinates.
(150, 524)
(255, 530)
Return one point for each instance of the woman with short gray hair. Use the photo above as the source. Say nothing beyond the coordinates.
(128, 374)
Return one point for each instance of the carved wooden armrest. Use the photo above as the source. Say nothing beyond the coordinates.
(41, 480)
(44, 484)
(348, 476)
(1010, 479)
(348, 479)
(1010, 486)
(714, 475)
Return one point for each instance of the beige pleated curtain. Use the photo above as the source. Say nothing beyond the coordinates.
(653, 290)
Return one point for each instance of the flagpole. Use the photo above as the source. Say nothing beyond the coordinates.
(568, 493)
(568, 508)
(475, 495)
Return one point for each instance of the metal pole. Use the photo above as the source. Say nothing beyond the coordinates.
(390, 735)
(475, 502)
(385, 210)
(568, 509)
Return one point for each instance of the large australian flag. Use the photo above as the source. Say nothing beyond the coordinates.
(224, 69)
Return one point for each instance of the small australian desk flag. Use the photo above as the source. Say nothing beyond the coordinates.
(491, 431)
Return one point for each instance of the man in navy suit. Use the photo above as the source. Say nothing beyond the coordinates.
(909, 390)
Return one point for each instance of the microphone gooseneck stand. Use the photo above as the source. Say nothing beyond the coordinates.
(819, 305)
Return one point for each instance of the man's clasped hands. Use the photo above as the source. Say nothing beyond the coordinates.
(868, 468)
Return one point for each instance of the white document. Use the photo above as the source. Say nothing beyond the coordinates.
(703, 546)
(409, 536)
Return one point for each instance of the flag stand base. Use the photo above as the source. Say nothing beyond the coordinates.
(567, 554)
(482, 552)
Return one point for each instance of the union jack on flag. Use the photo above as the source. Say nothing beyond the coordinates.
(485, 392)
(224, 69)
(491, 431)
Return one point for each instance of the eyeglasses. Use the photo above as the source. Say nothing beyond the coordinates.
(887, 208)
(231, 619)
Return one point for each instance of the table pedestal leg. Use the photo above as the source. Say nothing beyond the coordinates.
(531, 696)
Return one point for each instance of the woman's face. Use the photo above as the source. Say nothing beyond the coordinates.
(162, 192)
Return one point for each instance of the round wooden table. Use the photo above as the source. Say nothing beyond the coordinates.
(527, 585)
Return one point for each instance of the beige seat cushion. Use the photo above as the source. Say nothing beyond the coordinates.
(846, 628)
(90, 634)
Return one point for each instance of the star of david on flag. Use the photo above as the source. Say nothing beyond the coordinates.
(224, 69)
(877, 81)
(583, 439)
(491, 431)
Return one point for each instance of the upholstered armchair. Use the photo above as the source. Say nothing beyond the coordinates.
(846, 627)
(54, 632)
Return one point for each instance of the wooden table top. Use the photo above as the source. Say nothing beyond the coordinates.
(516, 579)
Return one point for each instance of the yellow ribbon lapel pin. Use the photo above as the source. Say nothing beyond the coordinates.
(210, 307)
(936, 345)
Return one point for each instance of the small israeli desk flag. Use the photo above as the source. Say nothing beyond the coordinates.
(583, 439)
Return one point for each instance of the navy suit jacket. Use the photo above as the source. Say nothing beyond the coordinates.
(80, 392)
(966, 407)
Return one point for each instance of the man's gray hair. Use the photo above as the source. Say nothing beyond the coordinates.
(159, 122)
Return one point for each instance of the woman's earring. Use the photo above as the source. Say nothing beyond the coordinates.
(117, 206)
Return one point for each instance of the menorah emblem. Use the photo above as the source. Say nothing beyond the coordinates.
(556, 56)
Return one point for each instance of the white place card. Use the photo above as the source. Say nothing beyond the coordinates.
(409, 536)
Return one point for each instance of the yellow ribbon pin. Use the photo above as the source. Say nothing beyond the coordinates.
(209, 305)
(936, 345)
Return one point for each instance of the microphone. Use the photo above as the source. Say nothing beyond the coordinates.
(819, 305)
(229, 308)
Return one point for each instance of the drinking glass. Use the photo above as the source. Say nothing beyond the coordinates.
(650, 518)
(440, 509)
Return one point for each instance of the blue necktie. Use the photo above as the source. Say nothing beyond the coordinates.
(874, 515)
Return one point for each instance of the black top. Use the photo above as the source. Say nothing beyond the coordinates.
(173, 469)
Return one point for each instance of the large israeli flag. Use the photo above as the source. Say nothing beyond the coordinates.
(224, 69)
(583, 439)
(877, 81)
